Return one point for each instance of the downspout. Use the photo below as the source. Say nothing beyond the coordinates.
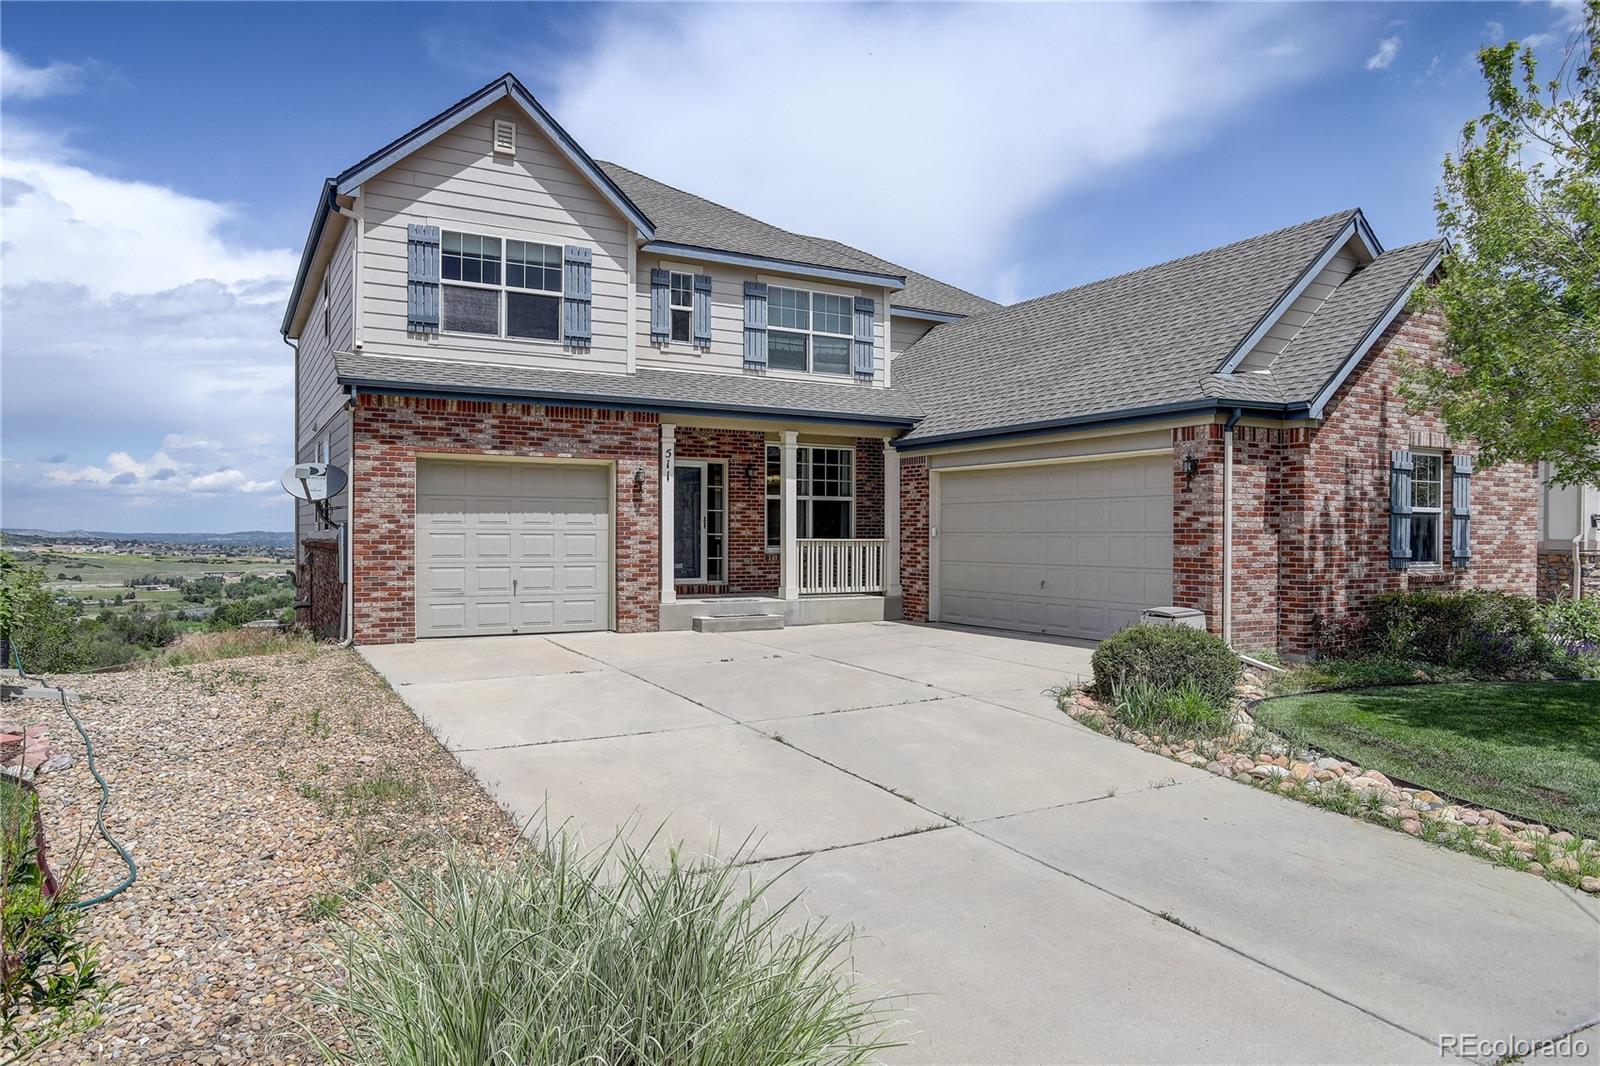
(346, 535)
(1227, 525)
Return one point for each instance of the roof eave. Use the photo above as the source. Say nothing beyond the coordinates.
(786, 266)
(1356, 228)
(1103, 419)
(503, 87)
(618, 403)
(319, 222)
(1325, 394)
(923, 314)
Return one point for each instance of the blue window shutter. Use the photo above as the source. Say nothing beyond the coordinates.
(755, 325)
(1401, 466)
(660, 305)
(422, 279)
(862, 363)
(578, 296)
(702, 310)
(1461, 511)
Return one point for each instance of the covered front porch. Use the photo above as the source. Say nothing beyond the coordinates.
(778, 521)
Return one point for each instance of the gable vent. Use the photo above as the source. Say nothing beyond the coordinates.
(505, 137)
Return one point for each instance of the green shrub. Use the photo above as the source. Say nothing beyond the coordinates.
(1479, 630)
(1574, 624)
(566, 957)
(1168, 657)
(1181, 712)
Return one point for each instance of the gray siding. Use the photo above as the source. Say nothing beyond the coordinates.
(337, 434)
(1339, 268)
(457, 182)
(317, 390)
(904, 332)
(727, 320)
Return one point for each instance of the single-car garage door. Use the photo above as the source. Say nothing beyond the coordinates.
(1076, 549)
(508, 547)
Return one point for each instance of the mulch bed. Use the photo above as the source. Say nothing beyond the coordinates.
(256, 794)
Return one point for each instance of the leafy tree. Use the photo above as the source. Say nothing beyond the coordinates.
(40, 628)
(1520, 204)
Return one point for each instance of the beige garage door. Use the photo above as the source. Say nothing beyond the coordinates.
(512, 548)
(1076, 549)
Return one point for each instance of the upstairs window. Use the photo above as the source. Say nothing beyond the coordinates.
(496, 288)
(1427, 508)
(682, 306)
(808, 331)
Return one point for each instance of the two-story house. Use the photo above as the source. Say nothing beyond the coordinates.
(571, 397)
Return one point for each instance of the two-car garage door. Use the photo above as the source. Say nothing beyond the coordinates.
(508, 547)
(1074, 548)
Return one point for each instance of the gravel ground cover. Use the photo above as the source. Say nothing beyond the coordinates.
(259, 796)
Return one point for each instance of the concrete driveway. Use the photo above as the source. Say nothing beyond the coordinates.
(1038, 893)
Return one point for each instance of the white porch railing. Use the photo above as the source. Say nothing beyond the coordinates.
(832, 566)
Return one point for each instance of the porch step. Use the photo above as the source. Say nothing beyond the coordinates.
(736, 623)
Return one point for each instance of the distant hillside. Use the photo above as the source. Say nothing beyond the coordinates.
(248, 538)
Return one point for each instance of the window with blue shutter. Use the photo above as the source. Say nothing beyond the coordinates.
(577, 299)
(422, 279)
(1400, 469)
(702, 311)
(1461, 511)
(660, 305)
(862, 363)
(755, 325)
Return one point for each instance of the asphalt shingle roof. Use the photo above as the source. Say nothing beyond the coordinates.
(684, 218)
(1151, 338)
(665, 389)
(1325, 342)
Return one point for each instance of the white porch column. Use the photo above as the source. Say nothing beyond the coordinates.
(790, 589)
(891, 521)
(669, 495)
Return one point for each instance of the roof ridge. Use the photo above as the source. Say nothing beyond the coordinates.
(734, 210)
(1346, 214)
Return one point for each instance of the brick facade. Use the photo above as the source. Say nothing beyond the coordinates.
(869, 487)
(319, 588)
(1311, 510)
(751, 569)
(390, 432)
(914, 521)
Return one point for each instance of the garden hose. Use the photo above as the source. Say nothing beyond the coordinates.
(105, 794)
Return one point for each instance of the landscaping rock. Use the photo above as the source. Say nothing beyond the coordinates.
(1590, 884)
(1412, 826)
(1268, 770)
(1300, 770)
(1564, 865)
(1373, 775)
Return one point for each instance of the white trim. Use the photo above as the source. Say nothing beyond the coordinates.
(935, 499)
(504, 287)
(1094, 457)
(789, 588)
(510, 129)
(669, 491)
(809, 449)
(1437, 511)
(704, 466)
(1351, 231)
(810, 331)
(1354, 358)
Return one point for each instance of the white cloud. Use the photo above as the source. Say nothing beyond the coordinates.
(1495, 31)
(927, 134)
(18, 81)
(1388, 48)
(132, 327)
(64, 223)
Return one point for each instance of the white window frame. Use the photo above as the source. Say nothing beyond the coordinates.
(804, 500)
(810, 332)
(673, 274)
(327, 308)
(504, 286)
(1436, 512)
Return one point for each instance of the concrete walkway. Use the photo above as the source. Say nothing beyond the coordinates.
(1038, 892)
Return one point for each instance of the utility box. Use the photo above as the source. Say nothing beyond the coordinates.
(1173, 616)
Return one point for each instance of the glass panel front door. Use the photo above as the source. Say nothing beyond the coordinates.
(687, 514)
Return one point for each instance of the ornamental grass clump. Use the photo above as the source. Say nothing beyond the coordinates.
(565, 956)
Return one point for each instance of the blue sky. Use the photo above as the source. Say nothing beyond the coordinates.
(159, 164)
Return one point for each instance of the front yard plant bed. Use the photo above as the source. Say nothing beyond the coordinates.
(1529, 747)
(1253, 753)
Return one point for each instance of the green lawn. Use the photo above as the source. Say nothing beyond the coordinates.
(1530, 749)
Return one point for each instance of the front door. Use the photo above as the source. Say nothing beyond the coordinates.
(688, 522)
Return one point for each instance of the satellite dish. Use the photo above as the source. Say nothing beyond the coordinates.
(314, 481)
